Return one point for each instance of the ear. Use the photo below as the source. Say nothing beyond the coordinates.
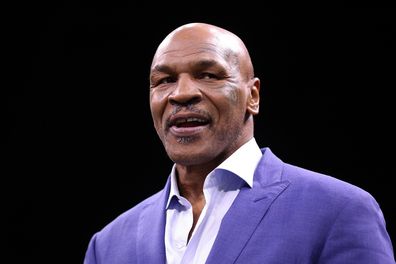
(253, 99)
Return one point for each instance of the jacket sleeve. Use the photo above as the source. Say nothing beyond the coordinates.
(358, 234)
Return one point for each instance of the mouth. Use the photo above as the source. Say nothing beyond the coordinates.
(188, 124)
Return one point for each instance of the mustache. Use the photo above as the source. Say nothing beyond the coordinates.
(190, 108)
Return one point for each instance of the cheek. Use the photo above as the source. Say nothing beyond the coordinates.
(233, 93)
(233, 108)
(159, 96)
(233, 96)
(158, 101)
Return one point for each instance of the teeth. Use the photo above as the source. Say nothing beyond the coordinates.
(190, 119)
(193, 119)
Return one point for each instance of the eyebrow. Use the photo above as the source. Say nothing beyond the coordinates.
(201, 64)
(162, 68)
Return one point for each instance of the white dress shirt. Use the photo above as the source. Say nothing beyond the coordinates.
(220, 189)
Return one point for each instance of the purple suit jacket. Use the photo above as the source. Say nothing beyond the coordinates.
(291, 215)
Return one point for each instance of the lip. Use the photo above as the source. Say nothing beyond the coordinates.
(185, 131)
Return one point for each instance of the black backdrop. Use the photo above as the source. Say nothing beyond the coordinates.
(81, 146)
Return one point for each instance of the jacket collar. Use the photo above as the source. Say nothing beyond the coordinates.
(253, 202)
(151, 230)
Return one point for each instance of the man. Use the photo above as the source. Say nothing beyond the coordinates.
(227, 200)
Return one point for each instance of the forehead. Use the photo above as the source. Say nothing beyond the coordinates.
(192, 52)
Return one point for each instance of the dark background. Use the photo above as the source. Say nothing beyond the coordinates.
(81, 148)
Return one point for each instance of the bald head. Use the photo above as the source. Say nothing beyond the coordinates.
(206, 37)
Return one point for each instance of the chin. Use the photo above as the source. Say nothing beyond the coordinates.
(187, 156)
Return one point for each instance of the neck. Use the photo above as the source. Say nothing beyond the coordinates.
(190, 182)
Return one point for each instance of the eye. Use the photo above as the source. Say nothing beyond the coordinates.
(166, 80)
(207, 76)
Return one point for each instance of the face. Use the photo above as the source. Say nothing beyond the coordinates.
(201, 97)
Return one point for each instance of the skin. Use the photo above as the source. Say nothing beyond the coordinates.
(203, 74)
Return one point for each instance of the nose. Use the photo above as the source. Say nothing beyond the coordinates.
(186, 92)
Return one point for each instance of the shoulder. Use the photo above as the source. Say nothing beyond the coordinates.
(343, 221)
(305, 183)
(351, 221)
(323, 186)
(330, 200)
(117, 240)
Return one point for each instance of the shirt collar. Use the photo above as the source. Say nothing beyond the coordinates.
(174, 189)
(242, 162)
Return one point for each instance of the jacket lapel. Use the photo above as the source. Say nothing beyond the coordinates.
(151, 230)
(248, 210)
